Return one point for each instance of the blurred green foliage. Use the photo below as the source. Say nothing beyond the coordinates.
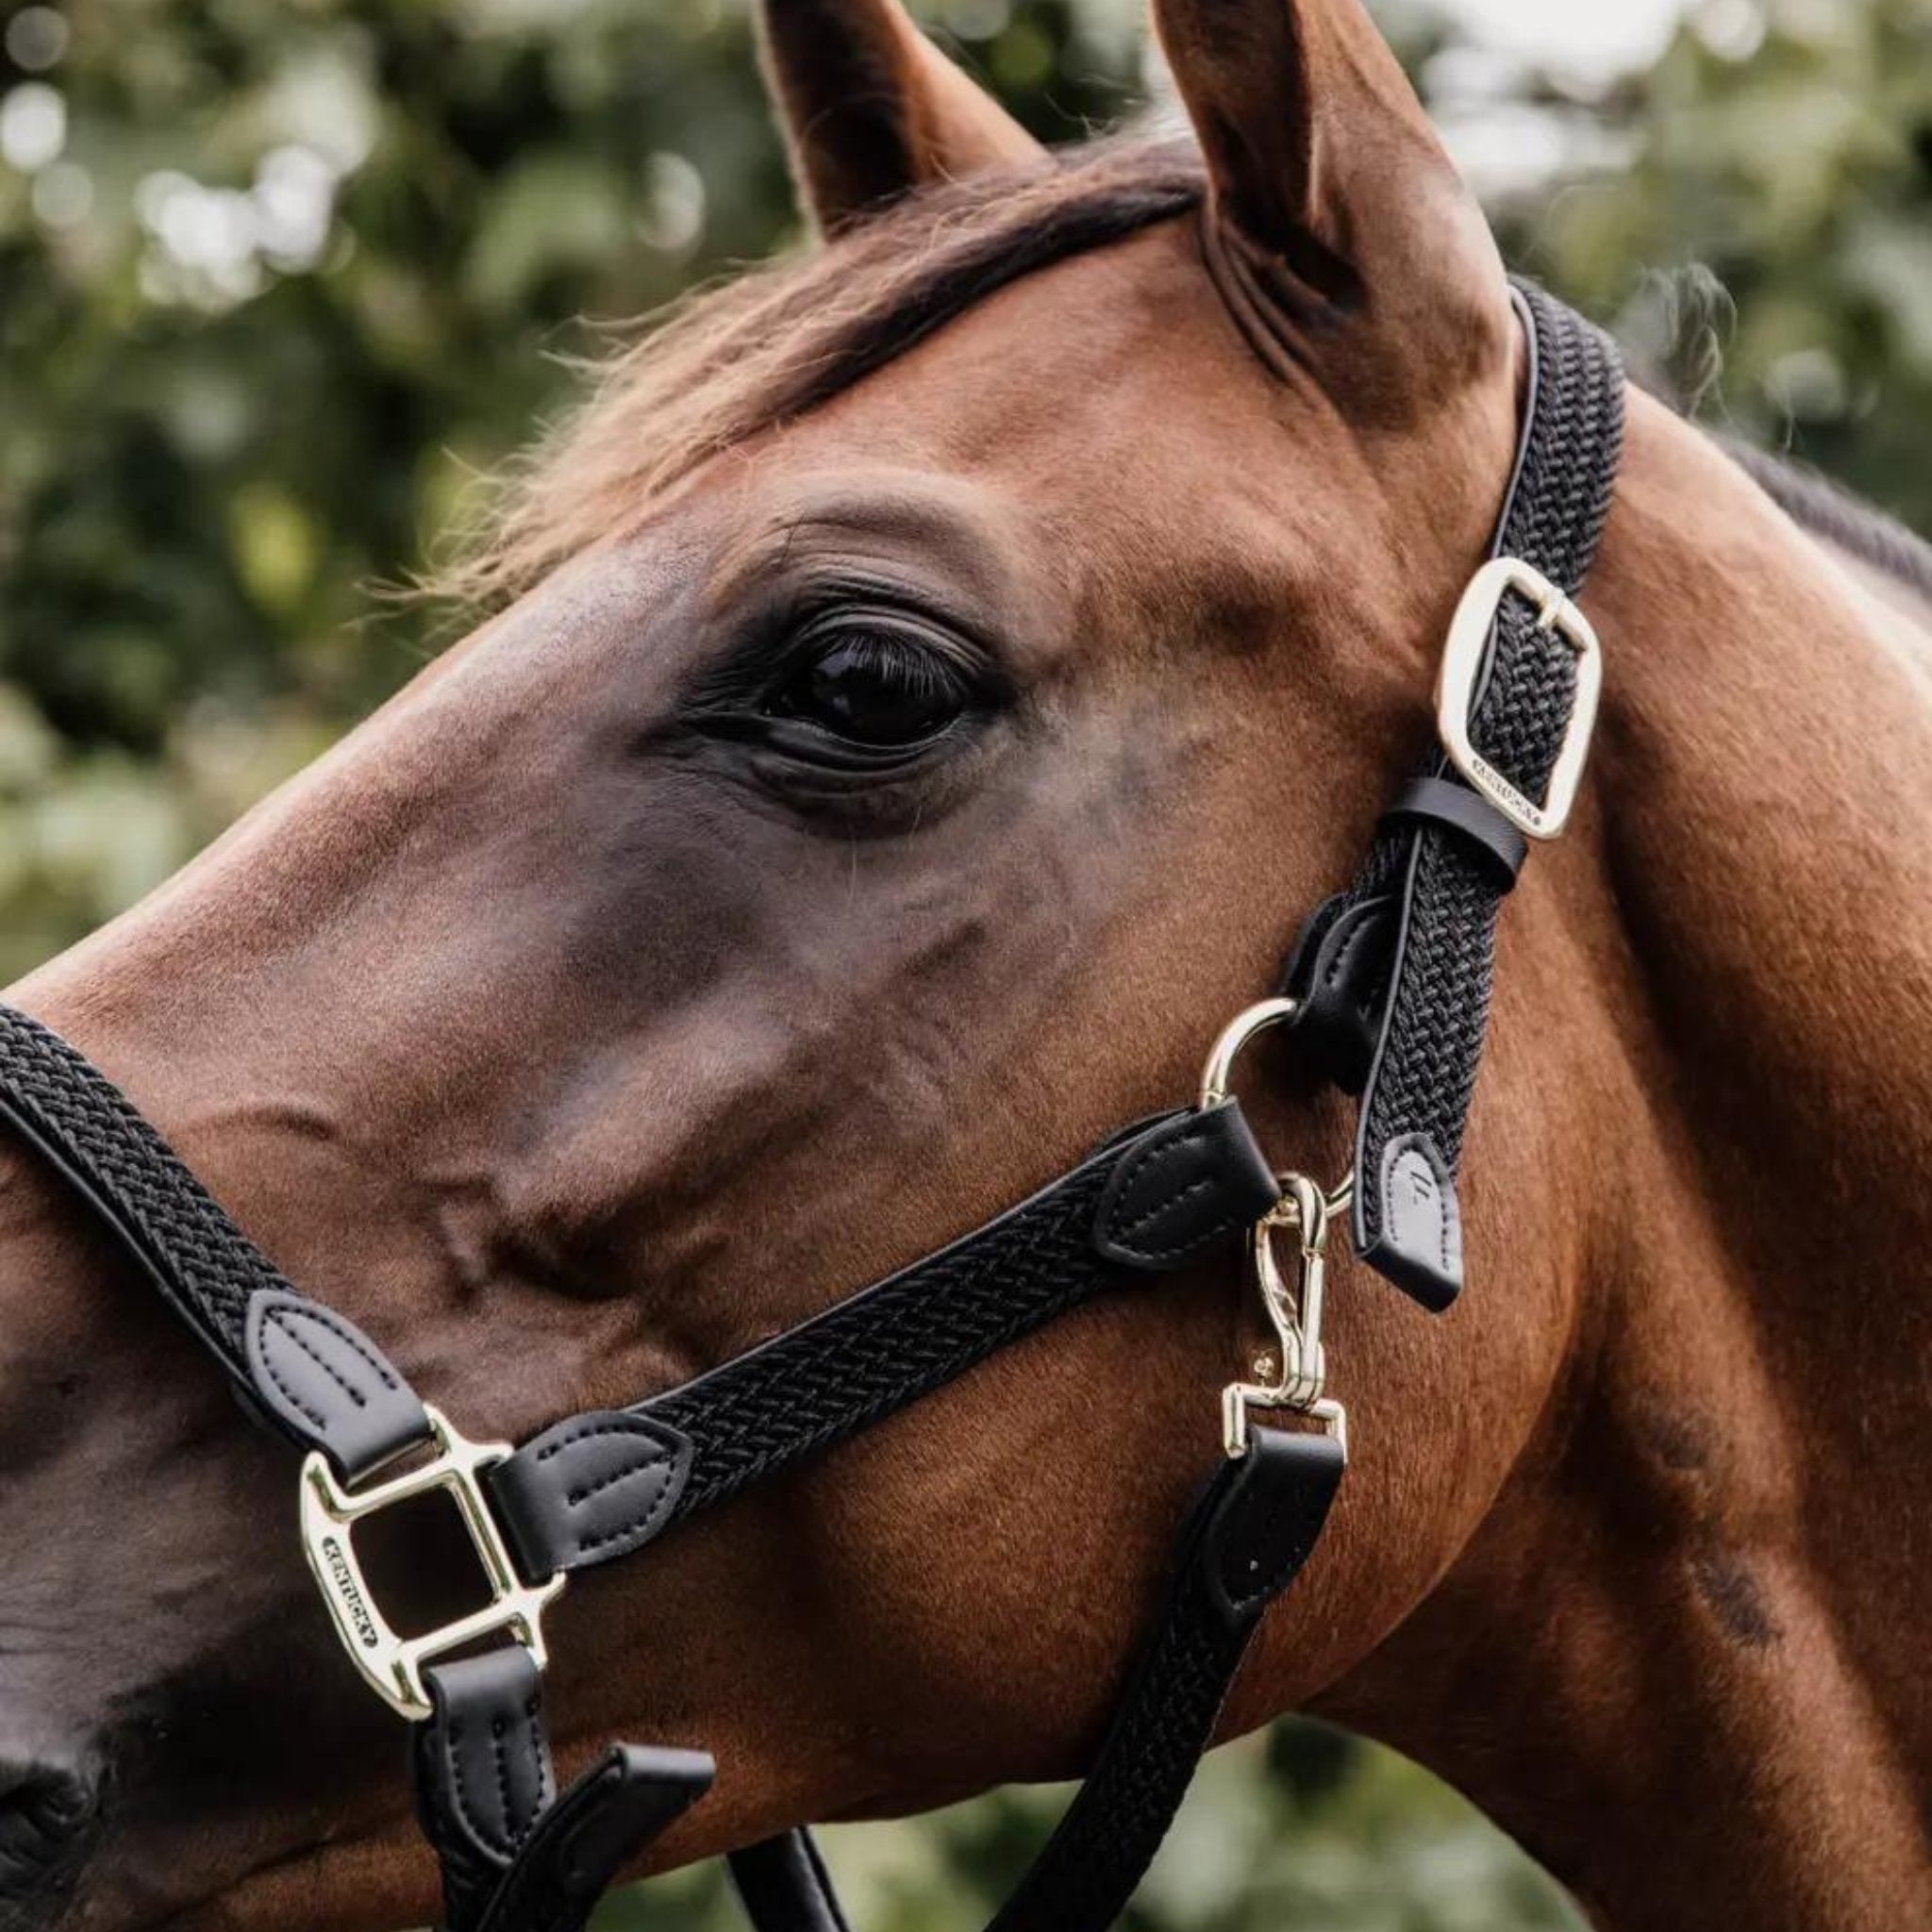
(1301, 1830)
(1783, 152)
(280, 278)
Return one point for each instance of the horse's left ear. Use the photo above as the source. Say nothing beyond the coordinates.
(1329, 193)
(873, 108)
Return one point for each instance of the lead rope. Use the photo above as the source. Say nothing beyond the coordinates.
(1389, 988)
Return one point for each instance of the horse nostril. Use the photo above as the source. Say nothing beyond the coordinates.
(46, 1814)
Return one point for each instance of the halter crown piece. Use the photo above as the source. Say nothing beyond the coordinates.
(1388, 991)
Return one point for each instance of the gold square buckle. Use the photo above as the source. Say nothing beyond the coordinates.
(1462, 665)
(393, 1664)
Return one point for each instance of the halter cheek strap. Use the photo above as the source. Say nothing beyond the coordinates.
(1388, 991)
(1392, 975)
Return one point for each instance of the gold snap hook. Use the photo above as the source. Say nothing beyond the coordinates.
(1290, 1373)
(1296, 1369)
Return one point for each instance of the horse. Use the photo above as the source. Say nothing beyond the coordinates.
(927, 682)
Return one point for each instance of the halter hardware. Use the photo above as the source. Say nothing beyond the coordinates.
(1292, 1373)
(393, 1664)
(1464, 657)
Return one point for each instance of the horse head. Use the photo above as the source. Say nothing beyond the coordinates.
(934, 677)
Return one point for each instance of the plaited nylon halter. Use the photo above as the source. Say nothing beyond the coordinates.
(1388, 990)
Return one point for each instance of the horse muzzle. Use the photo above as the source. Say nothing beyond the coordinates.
(49, 1817)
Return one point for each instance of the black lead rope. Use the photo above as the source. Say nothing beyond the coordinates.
(1391, 986)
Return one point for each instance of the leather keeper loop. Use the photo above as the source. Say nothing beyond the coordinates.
(1483, 830)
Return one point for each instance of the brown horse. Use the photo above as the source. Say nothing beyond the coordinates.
(941, 674)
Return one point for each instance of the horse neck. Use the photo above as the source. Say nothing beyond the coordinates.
(1684, 1659)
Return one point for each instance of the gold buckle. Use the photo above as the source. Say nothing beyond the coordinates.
(393, 1664)
(1462, 664)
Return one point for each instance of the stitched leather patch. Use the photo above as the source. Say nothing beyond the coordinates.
(488, 1766)
(1189, 1183)
(1418, 1247)
(328, 1384)
(588, 1488)
(1267, 1526)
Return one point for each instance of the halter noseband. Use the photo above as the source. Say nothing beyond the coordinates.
(1387, 991)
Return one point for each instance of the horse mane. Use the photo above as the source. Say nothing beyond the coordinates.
(758, 351)
(1827, 510)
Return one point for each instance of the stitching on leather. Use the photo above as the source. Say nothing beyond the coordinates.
(1155, 1213)
(283, 1328)
(511, 1830)
(480, 1831)
(641, 1431)
(1124, 1181)
(354, 1343)
(574, 1497)
(643, 1526)
(1351, 943)
(287, 1394)
(541, 1757)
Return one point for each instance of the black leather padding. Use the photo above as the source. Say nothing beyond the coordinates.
(327, 1383)
(592, 1488)
(1265, 1527)
(1339, 972)
(516, 1857)
(1183, 1188)
(482, 1771)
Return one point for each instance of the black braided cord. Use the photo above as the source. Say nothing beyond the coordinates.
(1110, 1832)
(205, 1268)
(869, 1356)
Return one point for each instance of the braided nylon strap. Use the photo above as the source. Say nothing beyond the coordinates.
(866, 1357)
(169, 1224)
(1247, 1539)
(1428, 972)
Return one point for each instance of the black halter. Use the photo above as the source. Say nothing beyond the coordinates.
(1387, 990)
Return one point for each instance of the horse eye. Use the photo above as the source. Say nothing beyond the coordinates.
(875, 689)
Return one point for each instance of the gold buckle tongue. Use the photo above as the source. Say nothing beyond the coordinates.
(393, 1664)
(1455, 687)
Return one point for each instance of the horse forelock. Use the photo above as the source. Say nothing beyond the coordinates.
(762, 349)
(748, 354)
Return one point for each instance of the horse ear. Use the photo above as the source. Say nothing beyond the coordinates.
(872, 109)
(1328, 189)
